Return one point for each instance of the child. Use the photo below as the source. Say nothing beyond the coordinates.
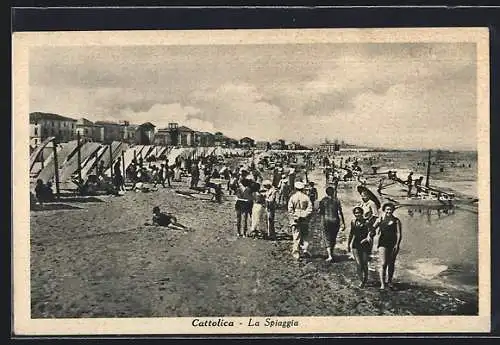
(165, 219)
(218, 193)
(313, 193)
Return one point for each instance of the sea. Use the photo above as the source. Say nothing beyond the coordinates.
(439, 247)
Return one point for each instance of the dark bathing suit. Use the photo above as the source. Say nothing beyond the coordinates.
(360, 231)
(388, 233)
(162, 219)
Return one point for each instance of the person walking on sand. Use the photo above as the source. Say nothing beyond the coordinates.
(271, 195)
(313, 193)
(409, 182)
(390, 234)
(299, 209)
(359, 244)
(119, 182)
(330, 210)
(243, 205)
(258, 211)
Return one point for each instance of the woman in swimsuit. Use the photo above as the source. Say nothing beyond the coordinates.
(360, 243)
(389, 231)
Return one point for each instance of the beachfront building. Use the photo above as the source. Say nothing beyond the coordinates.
(278, 145)
(88, 130)
(163, 137)
(329, 147)
(220, 139)
(263, 145)
(111, 131)
(186, 136)
(129, 132)
(145, 134)
(207, 139)
(247, 142)
(44, 125)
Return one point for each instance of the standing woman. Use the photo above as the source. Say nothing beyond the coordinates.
(359, 242)
(390, 235)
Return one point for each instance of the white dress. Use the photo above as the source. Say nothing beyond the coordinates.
(258, 217)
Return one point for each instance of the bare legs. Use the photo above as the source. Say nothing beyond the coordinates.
(361, 257)
(387, 258)
(239, 216)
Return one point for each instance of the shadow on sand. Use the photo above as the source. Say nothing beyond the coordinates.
(53, 206)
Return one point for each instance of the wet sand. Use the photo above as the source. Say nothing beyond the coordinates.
(102, 261)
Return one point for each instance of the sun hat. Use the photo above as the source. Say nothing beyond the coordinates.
(299, 185)
(357, 208)
(388, 204)
(266, 183)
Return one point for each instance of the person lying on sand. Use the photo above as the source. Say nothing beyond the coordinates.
(165, 219)
(141, 187)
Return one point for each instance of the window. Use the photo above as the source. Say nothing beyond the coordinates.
(36, 132)
(52, 123)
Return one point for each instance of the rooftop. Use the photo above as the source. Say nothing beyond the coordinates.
(185, 129)
(109, 123)
(36, 116)
(147, 124)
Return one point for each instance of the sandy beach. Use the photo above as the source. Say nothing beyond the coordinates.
(100, 260)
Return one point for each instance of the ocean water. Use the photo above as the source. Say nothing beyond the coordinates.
(439, 246)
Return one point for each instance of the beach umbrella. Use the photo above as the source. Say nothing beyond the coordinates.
(370, 194)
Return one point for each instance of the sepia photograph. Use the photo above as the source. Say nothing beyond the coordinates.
(251, 181)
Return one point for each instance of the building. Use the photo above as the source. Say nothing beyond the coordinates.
(278, 145)
(247, 142)
(220, 139)
(329, 147)
(145, 134)
(111, 131)
(293, 146)
(263, 145)
(88, 130)
(130, 134)
(44, 125)
(186, 136)
(232, 143)
(207, 139)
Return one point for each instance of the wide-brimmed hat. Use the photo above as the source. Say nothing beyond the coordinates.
(299, 185)
(389, 204)
(267, 183)
(357, 208)
(362, 189)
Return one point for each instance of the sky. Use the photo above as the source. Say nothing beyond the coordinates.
(392, 95)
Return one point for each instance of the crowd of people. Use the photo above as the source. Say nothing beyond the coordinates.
(257, 201)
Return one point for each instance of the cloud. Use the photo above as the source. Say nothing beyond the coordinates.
(163, 114)
(379, 94)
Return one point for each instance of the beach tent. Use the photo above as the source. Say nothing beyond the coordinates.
(48, 171)
(36, 152)
(87, 150)
(117, 149)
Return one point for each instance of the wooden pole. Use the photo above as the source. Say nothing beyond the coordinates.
(41, 154)
(79, 157)
(123, 163)
(56, 167)
(428, 170)
(111, 160)
(96, 162)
